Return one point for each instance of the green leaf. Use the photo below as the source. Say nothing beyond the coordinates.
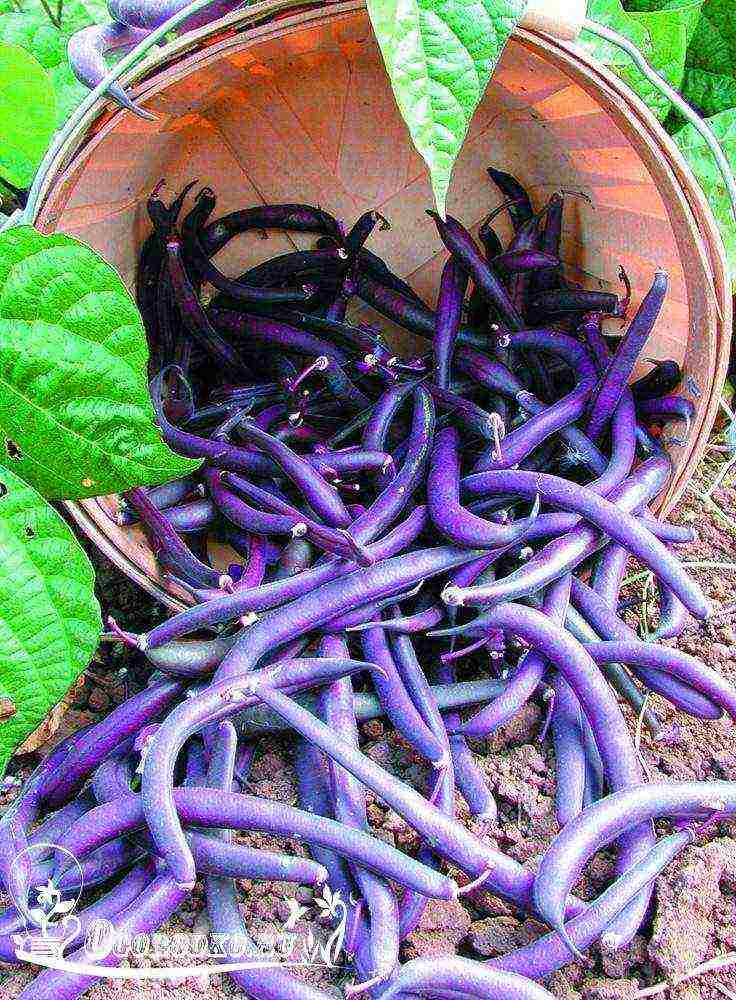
(711, 60)
(27, 114)
(50, 620)
(706, 170)
(440, 55)
(75, 414)
(611, 14)
(31, 28)
(663, 31)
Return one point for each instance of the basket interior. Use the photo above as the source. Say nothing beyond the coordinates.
(300, 109)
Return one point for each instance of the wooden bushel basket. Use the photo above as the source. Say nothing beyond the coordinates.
(280, 104)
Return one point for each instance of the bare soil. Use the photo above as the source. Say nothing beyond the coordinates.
(694, 918)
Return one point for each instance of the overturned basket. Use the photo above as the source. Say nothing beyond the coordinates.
(285, 104)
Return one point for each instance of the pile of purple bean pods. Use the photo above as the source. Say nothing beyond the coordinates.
(436, 540)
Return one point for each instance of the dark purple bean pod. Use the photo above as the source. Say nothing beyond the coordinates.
(569, 749)
(673, 616)
(428, 702)
(362, 230)
(519, 203)
(395, 496)
(672, 534)
(322, 497)
(396, 702)
(518, 261)
(447, 514)
(610, 627)
(82, 753)
(521, 442)
(271, 595)
(285, 519)
(551, 952)
(565, 301)
(169, 547)
(140, 14)
(667, 408)
(197, 515)
(259, 720)
(613, 816)
(205, 807)
(522, 685)
(453, 286)
(336, 709)
(195, 658)
(462, 245)
(420, 621)
(687, 668)
(201, 264)
(256, 331)
(294, 218)
(615, 379)
(410, 313)
(469, 778)
(496, 377)
(313, 794)
(473, 418)
(443, 834)
(460, 977)
(606, 516)
(551, 243)
(662, 380)
(86, 51)
(327, 263)
(195, 319)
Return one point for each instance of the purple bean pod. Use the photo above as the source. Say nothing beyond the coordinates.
(446, 512)
(613, 382)
(453, 286)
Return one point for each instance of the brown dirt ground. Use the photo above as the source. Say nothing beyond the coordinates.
(695, 914)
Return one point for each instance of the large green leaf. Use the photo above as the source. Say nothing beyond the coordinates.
(611, 14)
(27, 114)
(49, 617)
(708, 173)
(26, 23)
(671, 29)
(662, 29)
(75, 414)
(440, 55)
(711, 59)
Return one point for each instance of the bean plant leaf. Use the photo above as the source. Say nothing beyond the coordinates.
(611, 14)
(27, 114)
(671, 28)
(710, 77)
(440, 55)
(708, 173)
(75, 415)
(27, 23)
(50, 620)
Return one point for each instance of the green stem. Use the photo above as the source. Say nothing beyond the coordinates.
(30, 214)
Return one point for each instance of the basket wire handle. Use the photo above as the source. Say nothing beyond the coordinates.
(621, 42)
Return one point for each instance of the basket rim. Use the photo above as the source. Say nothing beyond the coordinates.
(261, 20)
